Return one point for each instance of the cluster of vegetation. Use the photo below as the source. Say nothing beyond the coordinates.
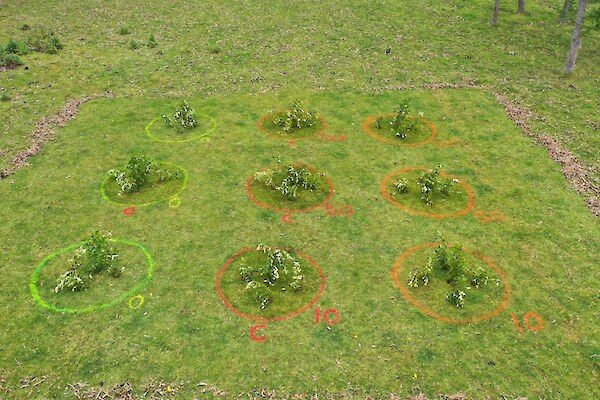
(95, 256)
(297, 117)
(279, 271)
(449, 264)
(39, 40)
(139, 172)
(401, 123)
(431, 185)
(134, 44)
(183, 118)
(289, 180)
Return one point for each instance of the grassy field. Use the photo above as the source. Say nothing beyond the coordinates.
(534, 335)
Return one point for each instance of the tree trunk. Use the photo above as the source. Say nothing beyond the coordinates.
(496, 11)
(565, 12)
(576, 39)
(521, 6)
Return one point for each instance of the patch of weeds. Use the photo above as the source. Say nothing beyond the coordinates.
(213, 48)
(279, 272)
(124, 30)
(25, 27)
(134, 44)
(44, 41)
(5, 97)
(183, 118)
(152, 42)
(95, 256)
(297, 117)
(16, 47)
(140, 172)
(9, 60)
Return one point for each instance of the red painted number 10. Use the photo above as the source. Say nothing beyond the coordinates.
(330, 316)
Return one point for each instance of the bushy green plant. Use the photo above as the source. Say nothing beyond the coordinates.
(137, 174)
(289, 180)
(457, 297)
(5, 97)
(43, 40)
(420, 277)
(183, 118)
(16, 47)
(95, 256)
(432, 184)
(70, 280)
(124, 30)
(401, 185)
(402, 123)
(9, 60)
(297, 117)
(134, 44)
(152, 42)
(280, 268)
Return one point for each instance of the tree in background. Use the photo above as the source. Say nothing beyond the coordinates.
(576, 39)
(564, 16)
(521, 6)
(496, 11)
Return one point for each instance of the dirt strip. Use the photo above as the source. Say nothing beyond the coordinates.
(44, 132)
(576, 172)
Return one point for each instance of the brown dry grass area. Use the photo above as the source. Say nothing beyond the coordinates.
(44, 132)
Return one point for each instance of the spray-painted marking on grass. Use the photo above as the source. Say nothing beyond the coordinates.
(343, 211)
(325, 316)
(486, 217)
(197, 136)
(253, 334)
(172, 198)
(527, 321)
(330, 137)
(292, 140)
(136, 302)
(240, 253)
(369, 128)
(33, 282)
(385, 183)
(399, 279)
(448, 143)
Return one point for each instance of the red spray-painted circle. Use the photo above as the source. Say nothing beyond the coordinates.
(386, 193)
(406, 292)
(281, 317)
(288, 210)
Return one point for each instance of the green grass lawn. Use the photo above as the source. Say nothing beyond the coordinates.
(546, 247)
(168, 325)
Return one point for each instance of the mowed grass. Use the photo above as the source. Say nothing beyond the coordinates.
(547, 247)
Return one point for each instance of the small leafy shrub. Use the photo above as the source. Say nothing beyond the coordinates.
(152, 42)
(95, 256)
(183, 119)
(124, 30)
(138, 173)
(44, 41)
(449, 262)
(432, 184)
(593, 18)
(25, 27)
(16, 47)
(297, 117)
(5, 97)
(401, 186)
(280, 269)
(288, 181)
(457, 298)
(401, 123)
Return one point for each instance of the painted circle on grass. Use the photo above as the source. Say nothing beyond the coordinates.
(274, 207)
(212, 125)
(368, 127)
(35, 277)
(133, 199)
(263, 126)
(280, 317)
(406, 292)
(388, 196)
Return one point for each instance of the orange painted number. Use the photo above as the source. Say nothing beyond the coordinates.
(486, 217)
(344, 211)
(253, 335)
(330, 316)
(531, 320)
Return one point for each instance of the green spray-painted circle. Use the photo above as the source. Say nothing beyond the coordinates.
(199, 135)
(127, 199)
(33, 282)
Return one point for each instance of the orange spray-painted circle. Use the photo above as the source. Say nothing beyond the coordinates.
(406, 292)
(370, 121)
(386, 193)
(281, 317)
(289, 137)
(290, 210)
